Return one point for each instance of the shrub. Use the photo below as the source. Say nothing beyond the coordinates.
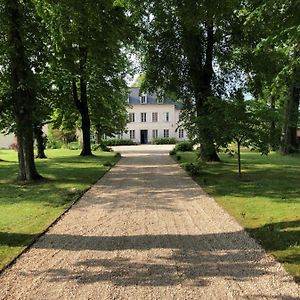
(101, 147)
(118, 142)
(178, 157)
(54, 144)
(107, 164)
(164, 141)
(13, 146)
(72, 146)
(184, 146)
(172, 152)
(193, 168)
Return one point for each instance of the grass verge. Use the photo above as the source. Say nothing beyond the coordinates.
(26, 210)
(266, 201)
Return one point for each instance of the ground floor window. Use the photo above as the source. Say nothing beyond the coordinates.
(181, 133)
(155, 133)
(132, 134)
(166, 133)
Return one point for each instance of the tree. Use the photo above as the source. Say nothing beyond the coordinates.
(249, 127)
(183, 42)
(88, 38)
(280, 35)
(18, 27)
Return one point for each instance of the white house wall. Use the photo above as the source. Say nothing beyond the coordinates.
(6, 140)
(149, 125)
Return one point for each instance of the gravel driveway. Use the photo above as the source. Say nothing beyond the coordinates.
(146, 231)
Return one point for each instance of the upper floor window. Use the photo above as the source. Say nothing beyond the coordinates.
(166, 117)
(181, 133)
(159, 101)
(154, 117)
(143, 99)
(131, 117)
(143, 117)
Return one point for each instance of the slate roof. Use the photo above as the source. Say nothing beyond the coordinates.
(134, 99)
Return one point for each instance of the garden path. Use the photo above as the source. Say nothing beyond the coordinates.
(146, 231)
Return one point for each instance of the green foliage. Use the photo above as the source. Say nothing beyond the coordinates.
(118, 142)
(184, 146)
(162, 141)
(72, 146)
(101, 147)
(193, 168)
(172, 152)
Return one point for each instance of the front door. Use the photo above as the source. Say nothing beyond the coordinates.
(144, 136)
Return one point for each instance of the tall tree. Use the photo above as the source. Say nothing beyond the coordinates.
(184, 40)
(278, 21)
(87, 36)
(18, 25)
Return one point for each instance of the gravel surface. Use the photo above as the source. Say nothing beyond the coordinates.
(146, 231)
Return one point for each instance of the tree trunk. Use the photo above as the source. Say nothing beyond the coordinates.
(82, 104)
(40, 141)
(289, 139)
(98, 134)
(22, 93)
(239, 159)
(274, 136)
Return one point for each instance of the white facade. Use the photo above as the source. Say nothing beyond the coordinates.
(151, 118)
(7, 140)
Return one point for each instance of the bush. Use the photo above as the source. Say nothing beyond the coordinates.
(184, 146)
(118, 142)
(13, 146)
(172, 152)
(72, 146)
(164, 141)
(101, 147)
(193, 168)
(54, 144)
(178, 157)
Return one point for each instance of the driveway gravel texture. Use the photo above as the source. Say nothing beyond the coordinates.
(146, 230)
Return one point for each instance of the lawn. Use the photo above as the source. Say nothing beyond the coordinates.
(266, 201)
(26, 210)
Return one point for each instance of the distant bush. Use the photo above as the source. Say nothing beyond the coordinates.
(72, 146)
(184, 146)
(163, 141)
(13, 146)
(101, 147)
(193, 168)
(118, 142)
(54, 144)
(172, 152)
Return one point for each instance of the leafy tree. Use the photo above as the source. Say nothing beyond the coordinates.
(19, 42)
(88, 38)
(275, 27)
(184, 41)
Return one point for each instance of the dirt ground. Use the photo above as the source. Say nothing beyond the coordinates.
(146, 231)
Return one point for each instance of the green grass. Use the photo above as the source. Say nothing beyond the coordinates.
(266, 201)
(26, 210)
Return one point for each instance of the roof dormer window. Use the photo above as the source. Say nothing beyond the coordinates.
(143, 99)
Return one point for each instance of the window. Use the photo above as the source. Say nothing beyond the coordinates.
(131, 117)
(132, 134)
(166, 117)
(154, 117)
(181, 133)
(166, 133)
(143, 117)
(159, 101)
(143, 99)
(155, 133)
